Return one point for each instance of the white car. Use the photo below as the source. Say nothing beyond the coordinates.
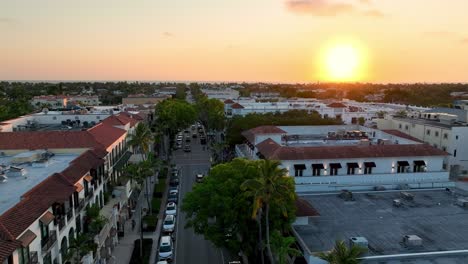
(162, 262)
(200, 177)
(169, 223)
(171, 208)
(165, 248)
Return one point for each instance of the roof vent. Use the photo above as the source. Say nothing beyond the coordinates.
(407, 196)
(359, 241)
(412, 241)
(462, 202)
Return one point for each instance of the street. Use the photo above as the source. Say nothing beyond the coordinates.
(192, 248)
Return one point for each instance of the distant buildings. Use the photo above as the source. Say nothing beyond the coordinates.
(332, 158)
(220, 93)
(63, 101)
(141, 99)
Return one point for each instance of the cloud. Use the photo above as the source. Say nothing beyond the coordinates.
(373, 13)
(329, 8)
(319, 7)
(167, 34)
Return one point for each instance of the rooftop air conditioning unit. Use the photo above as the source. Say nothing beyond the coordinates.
(397, 203)
(407, 196)
(359, 241)
(412, 241)
(462, 202)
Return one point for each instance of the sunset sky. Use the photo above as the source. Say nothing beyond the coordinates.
(238, 40)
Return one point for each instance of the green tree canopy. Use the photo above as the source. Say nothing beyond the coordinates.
(342, 254)
(211, 113)
(172, 115)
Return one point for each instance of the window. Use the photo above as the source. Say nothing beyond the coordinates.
(436, 133)
(400, 126)
(54, 118)
(428, 132)
(402, 166)
(455, 153)
(334, 167)
(435, 145)
(299, 169)
(406, 127)
(316, 169)
(47, 259)
(444, 148)
(445, 135)
(77, 118)
(352, 167)
(419, 166)
(98, 117)
(44, 231)
(368, 167)
(23, 255)
(456, 137)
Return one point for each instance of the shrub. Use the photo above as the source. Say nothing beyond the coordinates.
(150, 222)
(147, 244)
(156, 204)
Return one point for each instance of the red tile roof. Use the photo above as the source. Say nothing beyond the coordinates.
(304, 208)
(336, 105)
(105, 134)
(250, 134)
(47, 140)
(271, 150)
(7, 247)
(237, 106)
(228, 101)
(122, 119)
(401, 134)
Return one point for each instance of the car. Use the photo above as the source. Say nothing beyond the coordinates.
(186, 131)
(162, 262)
(187, 148)
(199, 177)
(169, 223)
(175, 172)
(203, 140)
(194, 135)
(187, 140)
(173, 196)
(171, 208)
(193, 127)
(178, 145)
(174, 181)
(165, 248)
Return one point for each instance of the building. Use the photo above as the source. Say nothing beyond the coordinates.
(49, 178)
(141, 99)
(332, 158)
(395, 227)
(64, 101)
(220, 93)
(445, 131)
(349, 112)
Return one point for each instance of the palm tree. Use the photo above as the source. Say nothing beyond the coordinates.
(141, 139)
(282, 247)
(79, 247)
(342, 254)
(268, 187)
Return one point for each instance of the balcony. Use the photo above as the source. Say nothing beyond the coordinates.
(47, 243)
(243, 151)
(90, 193)
(69, 214)
(61, 222)
(80, 205)
(33, 258)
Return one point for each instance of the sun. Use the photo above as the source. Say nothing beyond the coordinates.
(342, 62)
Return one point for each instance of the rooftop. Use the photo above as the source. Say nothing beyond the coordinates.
(16, 186)
(432, 215)
(427, 122)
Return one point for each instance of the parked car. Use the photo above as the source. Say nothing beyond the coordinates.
(194, 135)
(174, 181)
(171, 208)
(173, 196)
(165, 248)
(199, 178)
(187, 148)
(175, 172)
(169, 223)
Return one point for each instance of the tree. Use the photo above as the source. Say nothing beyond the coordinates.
(211, 113)
(141, 140)
(281, 246)
(361, 120)
(79, 247)
(342, 254)
(271, 187)
(220, 210)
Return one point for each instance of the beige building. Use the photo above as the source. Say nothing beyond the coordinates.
(141, 99)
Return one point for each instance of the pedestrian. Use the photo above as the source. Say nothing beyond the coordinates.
(133, 224)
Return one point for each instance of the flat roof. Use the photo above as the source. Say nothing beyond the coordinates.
(15, 186)
(432, 215)
(427, 122)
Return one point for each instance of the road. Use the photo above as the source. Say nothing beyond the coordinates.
(192, 248)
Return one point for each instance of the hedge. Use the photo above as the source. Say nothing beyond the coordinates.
(147, 244)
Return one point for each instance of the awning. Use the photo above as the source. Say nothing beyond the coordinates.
(299, 166)
(78, 187)
(47, 218)
(88, 178)
(27, 238)
(352, 165)
(403, 163)
(335, 165)
(369, 164)
(123, 160)
(318, 166)
(419, 163)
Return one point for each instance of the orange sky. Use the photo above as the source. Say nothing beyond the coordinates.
(242, 40)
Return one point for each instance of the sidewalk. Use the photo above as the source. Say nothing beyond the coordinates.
(123, 251)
